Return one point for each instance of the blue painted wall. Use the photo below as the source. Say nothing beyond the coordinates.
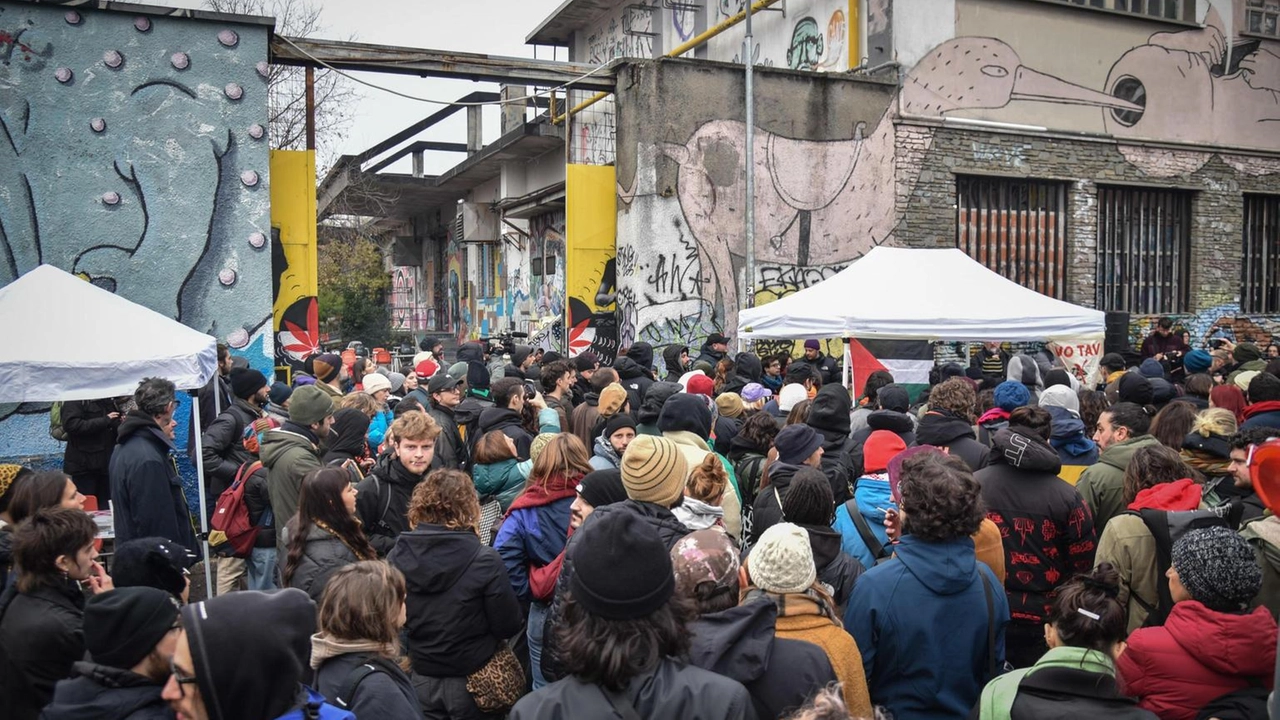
(133, 151)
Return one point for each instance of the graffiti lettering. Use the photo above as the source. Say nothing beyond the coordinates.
(673, 275)
(780, 281)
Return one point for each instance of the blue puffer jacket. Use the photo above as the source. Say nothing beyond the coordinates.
(921, 624)
(534, 535)
(873, 498)
(378, 427)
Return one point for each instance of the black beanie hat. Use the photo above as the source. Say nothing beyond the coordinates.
(152, 562)
(586, 361)
(123, 625)
(250, 650)
(830, 410)
(683, 411)
(1135, 388)
(621, 568)
(477, 375)
(1057, 376)
(795, 443)
(246, 382)
(602, 487)
(617, 422)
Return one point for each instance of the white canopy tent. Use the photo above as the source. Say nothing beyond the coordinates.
(925, 294)
(66, 339)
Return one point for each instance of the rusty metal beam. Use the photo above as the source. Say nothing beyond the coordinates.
(366, 57)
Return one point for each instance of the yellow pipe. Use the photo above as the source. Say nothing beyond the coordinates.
(688, 45)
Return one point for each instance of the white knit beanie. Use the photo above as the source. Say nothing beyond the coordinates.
(782, 561)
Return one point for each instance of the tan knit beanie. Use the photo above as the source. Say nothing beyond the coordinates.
(539, 444)
(612, 398)
(654, 470)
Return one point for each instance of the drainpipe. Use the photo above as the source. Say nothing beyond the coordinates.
(679, 50)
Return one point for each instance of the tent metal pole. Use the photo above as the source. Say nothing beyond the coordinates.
(204, 512)
(847, 373)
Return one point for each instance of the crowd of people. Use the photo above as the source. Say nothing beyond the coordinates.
(518, 534)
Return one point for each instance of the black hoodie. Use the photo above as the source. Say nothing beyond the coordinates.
(685, 412)
(943, 428)
(508, 421)
(382, 502)
(829, 415)
(347, 440)
(740, 643)
(250, 651)
(635, 379)
(766, 511)
(671, 359)
(746, 370)
(836, 568)
(460, 601)
(895, 422)
(651, 408)
(708, 354)
(99, 692)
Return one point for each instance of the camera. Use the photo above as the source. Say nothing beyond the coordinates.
(503, 342)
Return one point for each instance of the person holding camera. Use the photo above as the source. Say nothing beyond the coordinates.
(1163, 343)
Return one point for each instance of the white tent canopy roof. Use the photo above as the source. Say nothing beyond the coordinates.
(905, 293)
(65, 339)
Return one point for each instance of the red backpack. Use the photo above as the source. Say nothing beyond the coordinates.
(231, 515)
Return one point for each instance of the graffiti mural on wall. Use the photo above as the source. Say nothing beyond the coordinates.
(133, 152)
(810, 35)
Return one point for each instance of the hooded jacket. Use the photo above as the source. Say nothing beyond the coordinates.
(385, 694)
(651, 407)
(508, 421)
(450, 447)
(671, 361)
(382, 503)
(767, 509)
(603, 456)
(748, 465)
(825, 366)
(586, 416)
(460, 602)
(532, 536)
(942, 428)
(806, 617)
(708, 355)
(1264, 535)
(635, 379)
(1067, 683)
(921, 625)
(41, 637)
(100, 692)
(289, 453)
(1102, 484)
(694, 447)
(1198, 655)
(746, 370)
(1262, 414)
(501, 479)
(146, 491)
(1023, 368)
(671, 690)
(898, 423)
(829, 415)
(872, 498)
(1048, 532)
(1075, 449)
(697, 515)
(249, 652)
(740, 644)
(347, 439)
(836, 569)
(1127, 544)
(91, 435)
(322, 556)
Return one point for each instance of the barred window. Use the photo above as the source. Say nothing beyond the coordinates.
(1260, 274)
(1262, 17)
(1144, 250)
(1016, 227)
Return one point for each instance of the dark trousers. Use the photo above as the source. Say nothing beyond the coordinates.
(1024, 643)
(447, 699)
(96, 484)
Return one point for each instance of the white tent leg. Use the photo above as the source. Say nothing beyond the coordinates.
(204, 516)
(847, 373)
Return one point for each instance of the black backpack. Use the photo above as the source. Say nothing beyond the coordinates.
(1167, 526)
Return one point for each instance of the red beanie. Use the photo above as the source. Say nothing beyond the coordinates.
(701, 385)
(879, 449)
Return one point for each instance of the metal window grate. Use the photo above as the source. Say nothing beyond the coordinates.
(1260, 274)
(1015, 227)
(1144, 250)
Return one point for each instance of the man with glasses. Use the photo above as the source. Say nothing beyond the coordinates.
(130, 634)
(146, 492)
(243, 656)
(445, 395)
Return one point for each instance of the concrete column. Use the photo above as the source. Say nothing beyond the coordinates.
(475, 130)
(513, 114)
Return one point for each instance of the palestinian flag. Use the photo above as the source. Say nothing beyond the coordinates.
(909, 361)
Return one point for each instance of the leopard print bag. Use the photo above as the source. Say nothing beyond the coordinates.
(499, 684)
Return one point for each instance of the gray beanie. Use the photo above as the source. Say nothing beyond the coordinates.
(1218, 568)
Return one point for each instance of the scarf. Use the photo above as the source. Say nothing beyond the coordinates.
(1208, 464)
(325, 646)
(808, 602)
(997, 698)
(1180, 495)
(556, 487)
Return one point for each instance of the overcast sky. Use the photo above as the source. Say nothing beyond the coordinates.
(493, 27)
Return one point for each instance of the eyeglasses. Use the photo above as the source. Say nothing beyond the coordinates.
(180, 677)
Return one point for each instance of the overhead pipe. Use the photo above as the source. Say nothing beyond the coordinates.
(679, 50)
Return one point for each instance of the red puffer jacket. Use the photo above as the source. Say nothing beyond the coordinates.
(1199, 654)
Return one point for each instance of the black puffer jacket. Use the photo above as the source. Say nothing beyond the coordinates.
(91, 435)
(323, 555)
(746, 370)
(942, 428)
(222, 446)
(450, 447)
(740, 644)
(671, 359)
(460, 601)
(508, 421)
(895, 422)
(41, 637)
(382, 502)
(836, 568)
(99, 692)
(635, 379)
(766, 511)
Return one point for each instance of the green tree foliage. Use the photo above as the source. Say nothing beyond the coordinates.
(353, 290)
